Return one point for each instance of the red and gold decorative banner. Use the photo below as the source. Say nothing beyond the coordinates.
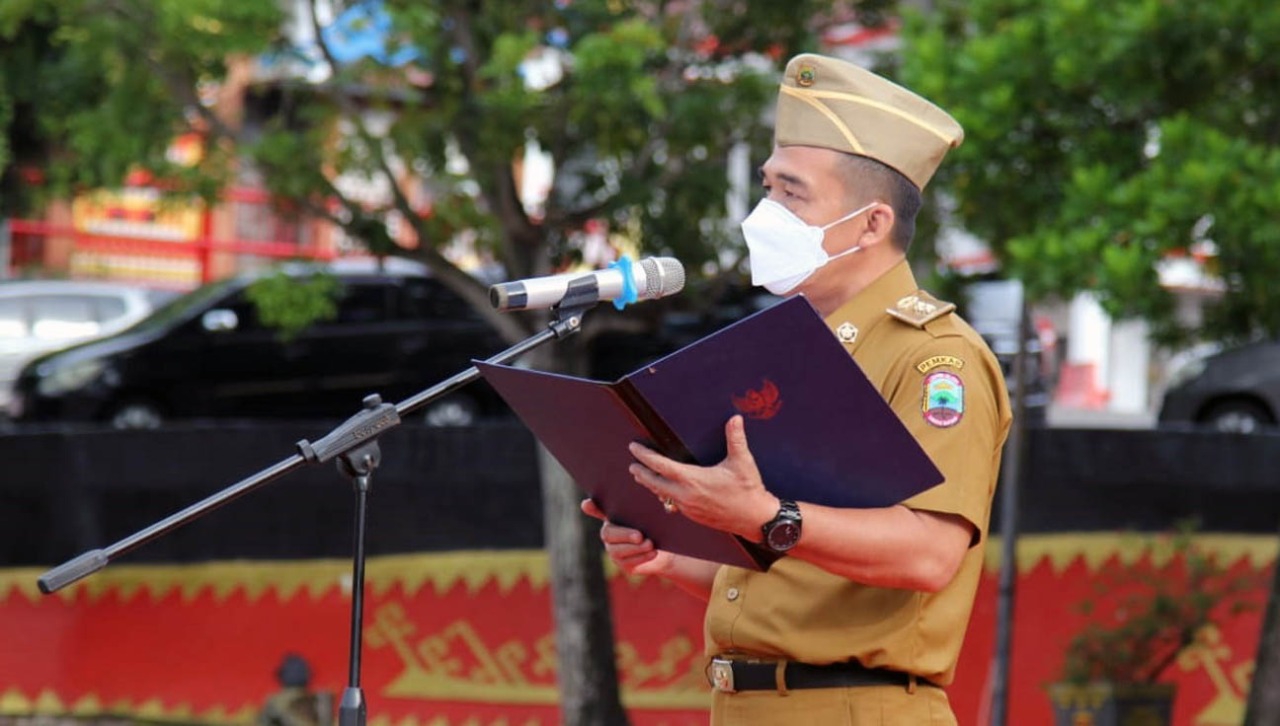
(466, 638)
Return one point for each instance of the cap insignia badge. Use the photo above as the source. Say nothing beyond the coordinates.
(805, 76)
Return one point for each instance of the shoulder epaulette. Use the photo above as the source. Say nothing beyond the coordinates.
(919, 308)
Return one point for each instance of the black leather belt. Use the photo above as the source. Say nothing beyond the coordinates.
(731, 676)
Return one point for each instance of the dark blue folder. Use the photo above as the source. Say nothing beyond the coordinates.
(819, 431)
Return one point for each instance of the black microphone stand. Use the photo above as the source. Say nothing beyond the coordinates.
(354, 443)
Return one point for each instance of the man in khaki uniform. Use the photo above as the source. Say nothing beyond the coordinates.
(862, 621)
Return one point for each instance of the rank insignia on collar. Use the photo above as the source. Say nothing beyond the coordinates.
(919, 308)
(847, 332)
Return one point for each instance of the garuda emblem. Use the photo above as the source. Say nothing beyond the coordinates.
(760, 404)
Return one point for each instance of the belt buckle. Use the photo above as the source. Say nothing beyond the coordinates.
(722, 675)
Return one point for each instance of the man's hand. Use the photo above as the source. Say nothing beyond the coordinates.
(629, 549)
(729, 496)
(635, 554)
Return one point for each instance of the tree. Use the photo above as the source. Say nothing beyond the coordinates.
(637, 103)
(79, 105)
(1100, 143)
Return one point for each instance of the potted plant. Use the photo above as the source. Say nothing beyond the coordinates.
(1142, 616)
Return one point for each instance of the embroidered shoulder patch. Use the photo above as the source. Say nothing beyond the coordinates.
(938, 361)
(919, 308)
(943, 399)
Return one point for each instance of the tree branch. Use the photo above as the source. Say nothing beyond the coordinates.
(521, 236)
(471, 289)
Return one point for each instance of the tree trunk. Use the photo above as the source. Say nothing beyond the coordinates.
(588, 677)
(1264, 693)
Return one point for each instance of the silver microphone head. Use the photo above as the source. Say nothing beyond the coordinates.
(653, 277)
(662, 276)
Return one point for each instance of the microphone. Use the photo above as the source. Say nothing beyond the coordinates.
(622, 282)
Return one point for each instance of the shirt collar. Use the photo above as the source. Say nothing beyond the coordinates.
(853, 319)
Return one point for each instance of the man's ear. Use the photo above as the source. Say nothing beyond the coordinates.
(880, 221)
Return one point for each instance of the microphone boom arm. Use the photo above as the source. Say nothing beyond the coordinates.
(372, 421)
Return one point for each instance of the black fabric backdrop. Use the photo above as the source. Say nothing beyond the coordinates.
(65, 491)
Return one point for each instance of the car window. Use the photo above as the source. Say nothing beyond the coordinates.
(13, 318)
(189, 305)
(363, 303)
(55, 317)
(157, 298)
(246, 312)
(107, 308)
(426, 299)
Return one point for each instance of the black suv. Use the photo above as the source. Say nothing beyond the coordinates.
(397, 331)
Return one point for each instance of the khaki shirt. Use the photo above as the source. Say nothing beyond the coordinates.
(944, 383)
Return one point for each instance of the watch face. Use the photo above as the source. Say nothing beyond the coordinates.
(783, 536)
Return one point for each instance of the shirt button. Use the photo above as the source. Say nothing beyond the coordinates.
(732, 593)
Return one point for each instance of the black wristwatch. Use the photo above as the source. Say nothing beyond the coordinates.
(783, 531)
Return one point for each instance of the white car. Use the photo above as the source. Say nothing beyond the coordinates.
(40, 316)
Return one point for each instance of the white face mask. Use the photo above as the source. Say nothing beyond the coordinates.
(785, 250)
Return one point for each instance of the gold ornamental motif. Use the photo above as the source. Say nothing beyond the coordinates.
(1209, 652)
(456, 663)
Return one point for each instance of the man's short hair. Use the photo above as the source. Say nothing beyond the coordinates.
(867, 179)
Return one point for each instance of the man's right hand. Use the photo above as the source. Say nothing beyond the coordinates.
(629, 549)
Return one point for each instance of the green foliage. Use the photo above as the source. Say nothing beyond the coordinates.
(1143, 615)
(292, 303)
(1100, 143)
(96, 88)
(648, 101)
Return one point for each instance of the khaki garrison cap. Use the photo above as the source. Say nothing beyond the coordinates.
(837, 105)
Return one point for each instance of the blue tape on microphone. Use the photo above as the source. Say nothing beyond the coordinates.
(630, 293)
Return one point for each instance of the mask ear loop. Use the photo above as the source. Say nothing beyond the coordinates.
(846, 218)
(850, 215)
(838, 255)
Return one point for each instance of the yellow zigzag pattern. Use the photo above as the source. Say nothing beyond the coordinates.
(479, 568)
(1095, 549)
(286, 579)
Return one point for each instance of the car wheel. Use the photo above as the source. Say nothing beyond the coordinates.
(136, 414)
(452, 411)
(1238, 417)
